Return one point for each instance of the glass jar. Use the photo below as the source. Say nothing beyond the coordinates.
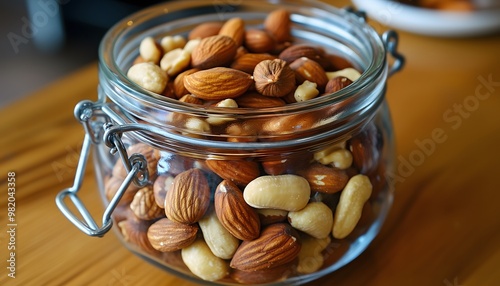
(274, 196)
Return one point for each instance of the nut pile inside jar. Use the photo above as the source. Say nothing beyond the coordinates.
(255, 220)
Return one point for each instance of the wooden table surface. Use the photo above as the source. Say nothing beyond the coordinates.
(443, 229)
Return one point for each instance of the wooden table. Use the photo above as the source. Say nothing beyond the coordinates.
(444, 227)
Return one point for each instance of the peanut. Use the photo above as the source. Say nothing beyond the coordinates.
(316, 219)
(348, 212)
(203, 263)
(283, 192)
(222, 243)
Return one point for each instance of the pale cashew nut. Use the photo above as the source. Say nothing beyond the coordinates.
(352, 199)
(169, 43)
(226, 103)
(175, 61)
(349, 73)
(203, 263)
(338, 157)
(310, 257)
(316, 219)
(220, 241)
(306, 91)
(149, 50)
(149, 76)
(283, 192)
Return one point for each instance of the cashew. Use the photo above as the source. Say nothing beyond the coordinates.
(283, 192)
(149, 50)
(349, 73)
(197, 125)
(191, 45)
(175, 61)
(149, 76)
(316, 219)
(306, 91)
(352, 199)
(203, 263)
(310, 256)
(226, 103)
(170, 43)
(339, 157)
(222, 243)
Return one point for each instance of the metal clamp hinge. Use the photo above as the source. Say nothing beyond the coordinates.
(391, 40)
(136, 166)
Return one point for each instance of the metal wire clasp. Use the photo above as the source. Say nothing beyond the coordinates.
(96, 124)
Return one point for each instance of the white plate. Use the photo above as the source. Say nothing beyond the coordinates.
(431, 22)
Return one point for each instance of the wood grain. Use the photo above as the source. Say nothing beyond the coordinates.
(444, 227)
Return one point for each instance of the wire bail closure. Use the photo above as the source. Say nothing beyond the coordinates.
(136, 166)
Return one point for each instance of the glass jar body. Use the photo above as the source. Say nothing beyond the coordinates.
(293, 201)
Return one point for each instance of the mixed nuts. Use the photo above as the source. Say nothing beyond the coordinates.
(255, 220)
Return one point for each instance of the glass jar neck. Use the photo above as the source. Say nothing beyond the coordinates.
(336, 30)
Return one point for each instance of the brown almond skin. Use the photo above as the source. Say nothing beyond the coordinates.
(258, 41)
(247, 62)
(214, 51)
(205, 30)
(256, 100)
(274, 78)
(325, 179)
(241, 220)
(277, 245)
(179, 88)
(166, 235)
(294, 52)
(239, 172)
(279, 25)
(189, 197)
(337, 83)
(307, 69)
(235, 29)
(218, 83)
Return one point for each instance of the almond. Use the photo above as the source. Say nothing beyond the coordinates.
(366, 148)
(205, 30)
(257, 100)
(247, 62)
(235, 29)
(144, 205)
(152, 156)
(325, 179)
(234, 213)
(239, 172)
(179, 88)
(218, 83)
(294, 52)
(214, 51)
(307, 69)
(274, 78)
(166, 235)
(278, 273)
(258, 41)
(278, 24)
(336, 84)
(277, 245)
(189, 197)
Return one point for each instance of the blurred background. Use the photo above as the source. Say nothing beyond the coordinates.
(42, 40)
